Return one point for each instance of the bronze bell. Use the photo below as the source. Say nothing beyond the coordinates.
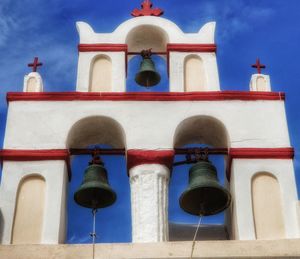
(95, 191)
(147, 76)
(204, 195)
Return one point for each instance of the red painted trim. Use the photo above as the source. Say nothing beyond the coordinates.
(258, 153)
(36, 155)
(102, 47)
(192, 47)
(140, 157)
(147, 96)
(105, 48)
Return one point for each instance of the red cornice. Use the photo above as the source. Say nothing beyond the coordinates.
(147, 96)
(140, 157)
(258, 153)
(192, 47)
(36, 155)
(102, 47)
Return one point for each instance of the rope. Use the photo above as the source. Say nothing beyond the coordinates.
(196, 232)
(93, 234)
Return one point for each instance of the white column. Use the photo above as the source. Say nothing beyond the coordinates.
(149, 202)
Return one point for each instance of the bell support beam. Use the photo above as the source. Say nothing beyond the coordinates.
(149, 177)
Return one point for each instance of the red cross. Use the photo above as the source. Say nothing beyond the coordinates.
(35, 64)
(147, 10)
(258, 66)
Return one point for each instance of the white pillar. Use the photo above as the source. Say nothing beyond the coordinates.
(149, 202)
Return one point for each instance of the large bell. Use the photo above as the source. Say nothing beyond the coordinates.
(95, 191)
(147, 76)
(204, 195)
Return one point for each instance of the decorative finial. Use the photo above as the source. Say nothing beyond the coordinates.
(35, 64)
(147, 10)
(258, 66)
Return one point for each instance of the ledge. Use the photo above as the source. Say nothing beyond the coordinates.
(176, 250)
(145, 96)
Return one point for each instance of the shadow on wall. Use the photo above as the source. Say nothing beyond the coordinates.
(1, 226)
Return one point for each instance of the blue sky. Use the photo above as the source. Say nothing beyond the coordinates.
(246, 29)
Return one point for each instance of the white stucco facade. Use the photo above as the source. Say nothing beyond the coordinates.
(142, 33)
(222, 121)
(240, 118)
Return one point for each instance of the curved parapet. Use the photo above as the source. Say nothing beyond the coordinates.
(172, 31)
(148, 32)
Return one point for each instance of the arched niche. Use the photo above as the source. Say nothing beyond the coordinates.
(29, 211)
(261, 84)
(101, 74)
(96, 130)
(201, 129)
(32, 85)
(194, 74)
(267, 207)
(147, 37)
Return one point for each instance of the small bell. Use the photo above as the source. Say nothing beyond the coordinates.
(204, 195)
(95, 191)
(147, 76)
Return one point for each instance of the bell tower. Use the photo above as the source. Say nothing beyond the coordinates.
(248, 128)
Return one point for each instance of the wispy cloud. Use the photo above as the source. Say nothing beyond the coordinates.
(232, 16)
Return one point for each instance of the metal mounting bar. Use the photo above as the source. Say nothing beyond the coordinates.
(92, 151)
(121, 151)
(210, 151)
(153, 53)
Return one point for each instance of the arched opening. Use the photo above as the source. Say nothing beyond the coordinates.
(267, 207)
(111, 225)
(194, 74)
(161, 68)
(146, 37)
(96, 130)
(101, 74)
(261, 84)
(29, 211)
(198, 131)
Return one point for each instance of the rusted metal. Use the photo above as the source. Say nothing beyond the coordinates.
(121, 151)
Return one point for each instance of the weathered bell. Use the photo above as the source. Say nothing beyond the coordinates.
(204, 195)
(95, 191)
(147, 76)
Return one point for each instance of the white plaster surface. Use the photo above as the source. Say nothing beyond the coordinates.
(260, 82)
(55, 175)
(173, 32)
(33, 82)
(240, 187)
(144, 33)
(46, 125)
(275, 249)
(149, 202)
